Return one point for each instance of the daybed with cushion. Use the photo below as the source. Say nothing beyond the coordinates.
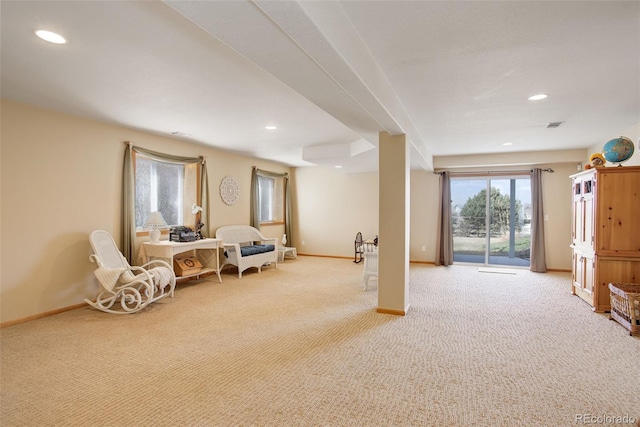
(246, 247)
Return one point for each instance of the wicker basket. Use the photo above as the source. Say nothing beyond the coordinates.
(625, 305)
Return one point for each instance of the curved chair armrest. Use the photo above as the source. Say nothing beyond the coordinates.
(143, 279)
(137, 271)
(95, 258)
(158, 281)
(260, 235)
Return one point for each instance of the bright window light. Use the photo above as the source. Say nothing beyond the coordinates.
(51, 37)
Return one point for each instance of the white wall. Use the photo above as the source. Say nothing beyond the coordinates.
(632, 133)
(425, 190)
(61, 178)
(332, 206)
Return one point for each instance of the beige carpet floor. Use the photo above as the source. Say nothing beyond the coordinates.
(303, 346)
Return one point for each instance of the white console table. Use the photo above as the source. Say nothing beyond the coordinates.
(205, 249)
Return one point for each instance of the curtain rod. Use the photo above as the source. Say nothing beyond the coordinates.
(514, 172)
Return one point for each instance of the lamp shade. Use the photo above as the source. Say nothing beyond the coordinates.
(155, 222)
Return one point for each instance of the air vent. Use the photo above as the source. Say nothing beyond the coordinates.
(554, 124)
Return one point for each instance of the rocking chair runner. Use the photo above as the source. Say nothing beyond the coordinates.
(359, 248)
(133, 287)
(362, 246)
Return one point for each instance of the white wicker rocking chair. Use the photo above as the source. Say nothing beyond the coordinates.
(133, 288)
(370, 267)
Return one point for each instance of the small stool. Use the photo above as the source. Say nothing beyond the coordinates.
(282, 252)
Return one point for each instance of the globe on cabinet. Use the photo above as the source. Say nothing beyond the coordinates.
(618, 150)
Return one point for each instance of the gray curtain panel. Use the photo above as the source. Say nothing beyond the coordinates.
(128, 206)
(444, 238)
(538, 262)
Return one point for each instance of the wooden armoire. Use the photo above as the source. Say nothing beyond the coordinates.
(606, 231)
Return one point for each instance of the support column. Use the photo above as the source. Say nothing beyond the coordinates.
(394, 208)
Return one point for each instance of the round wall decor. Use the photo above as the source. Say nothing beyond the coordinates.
(229, 190)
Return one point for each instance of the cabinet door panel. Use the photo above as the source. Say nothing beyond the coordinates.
(587, 222)
(578, 270)
(618, 211)
(583, 276)
(583, 211)
(588, 274)
(577, 220)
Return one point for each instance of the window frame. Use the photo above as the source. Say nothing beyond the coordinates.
(277, 207)
(141, 231)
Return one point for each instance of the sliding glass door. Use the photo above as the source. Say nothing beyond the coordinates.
(491, 220)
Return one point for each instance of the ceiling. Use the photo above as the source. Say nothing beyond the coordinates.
(454, 76)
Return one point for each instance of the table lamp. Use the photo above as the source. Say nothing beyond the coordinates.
(155, 222)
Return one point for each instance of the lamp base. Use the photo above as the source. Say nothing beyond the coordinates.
(154, 235)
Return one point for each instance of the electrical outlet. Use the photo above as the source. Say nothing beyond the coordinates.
(424, 249)
(303, 243)
(546, 217)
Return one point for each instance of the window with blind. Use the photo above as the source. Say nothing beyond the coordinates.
(165, 187)
(271, 200)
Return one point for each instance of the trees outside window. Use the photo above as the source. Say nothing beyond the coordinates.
(490, 219)
(473, 214)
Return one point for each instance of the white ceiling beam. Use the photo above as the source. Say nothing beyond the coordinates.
(245, 28)
(298, 44)
(324, 31)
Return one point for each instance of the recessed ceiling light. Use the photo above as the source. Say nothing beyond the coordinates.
(538, 97)
(51, 37)
(271, 127)
(508, 143)
(338, 166)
